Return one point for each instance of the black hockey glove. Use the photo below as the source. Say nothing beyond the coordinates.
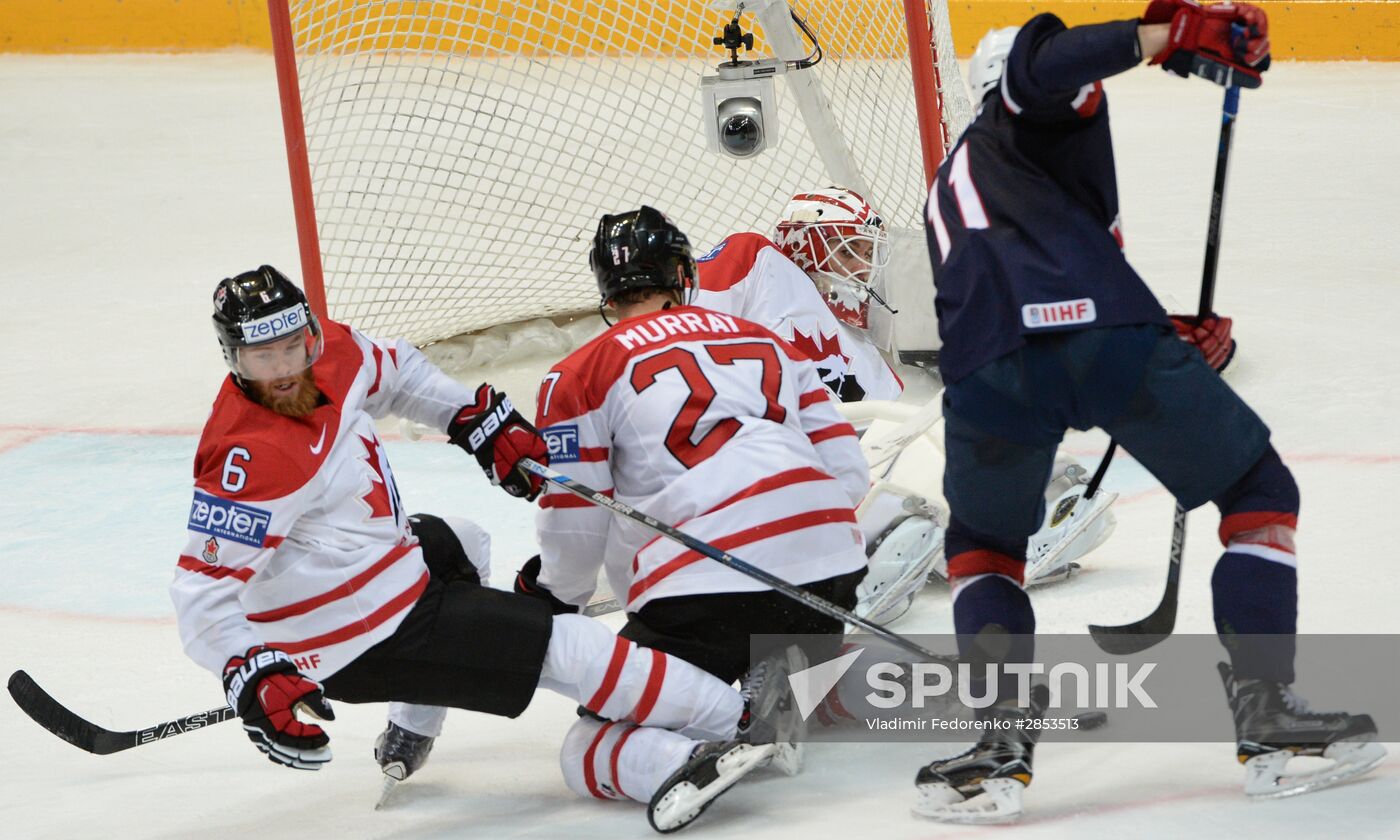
(266, 690)
(498, 437)
(527, 582)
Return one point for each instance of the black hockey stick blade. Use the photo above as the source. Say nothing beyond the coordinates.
(85, 735)
(1141, 635)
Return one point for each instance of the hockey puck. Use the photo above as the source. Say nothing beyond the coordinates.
(1091, 720)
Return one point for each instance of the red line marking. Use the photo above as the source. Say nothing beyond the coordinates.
(65, 615)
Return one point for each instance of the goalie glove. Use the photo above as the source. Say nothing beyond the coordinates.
(1226, 43)
(1210, 335)
(498, 437)
(267, 690)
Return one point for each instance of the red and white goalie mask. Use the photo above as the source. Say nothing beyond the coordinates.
(835, 236)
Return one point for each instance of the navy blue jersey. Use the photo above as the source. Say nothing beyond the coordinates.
(1023, 224)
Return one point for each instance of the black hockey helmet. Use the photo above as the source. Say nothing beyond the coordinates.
(257, 308)
(641, 250)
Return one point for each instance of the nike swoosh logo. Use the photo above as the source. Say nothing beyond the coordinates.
(316, 450)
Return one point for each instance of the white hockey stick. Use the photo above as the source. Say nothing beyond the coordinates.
(914, 426)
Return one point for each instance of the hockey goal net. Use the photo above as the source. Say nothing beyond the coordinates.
(450, 159)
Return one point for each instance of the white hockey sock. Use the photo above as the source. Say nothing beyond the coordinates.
(420, 720)
(616, 679)
(620, 760)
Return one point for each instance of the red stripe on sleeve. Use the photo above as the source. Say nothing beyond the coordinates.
(652, 690)
(833, 431)
(750, 535)
(343, 591)
(567, 500)
(592, 454)
(813, 397)
(605, 690)
(194, 564)
(590, 778)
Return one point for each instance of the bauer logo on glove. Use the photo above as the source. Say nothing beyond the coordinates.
(498, 437)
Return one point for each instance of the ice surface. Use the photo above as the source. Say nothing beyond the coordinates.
(131, 183)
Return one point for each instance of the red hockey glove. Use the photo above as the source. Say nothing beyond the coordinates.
(1211, 335)
(527, 582)
(1227, 43)
(495, 433)
(266, 690)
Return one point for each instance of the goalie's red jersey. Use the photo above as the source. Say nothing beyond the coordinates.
(707, 422)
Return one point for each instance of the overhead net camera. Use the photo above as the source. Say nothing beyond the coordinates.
(740, 109)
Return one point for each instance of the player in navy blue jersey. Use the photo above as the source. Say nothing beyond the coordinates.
(1047, 327)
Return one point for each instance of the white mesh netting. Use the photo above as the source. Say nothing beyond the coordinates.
(461, 152)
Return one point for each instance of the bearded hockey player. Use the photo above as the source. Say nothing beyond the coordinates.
(711, 422)
(302, 578)
(1046, 326)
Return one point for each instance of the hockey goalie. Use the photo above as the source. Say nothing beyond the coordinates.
(815, 284)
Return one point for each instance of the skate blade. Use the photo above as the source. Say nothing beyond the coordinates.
(389, 784)
(998, 803)
(1266, 777)
(682, 804)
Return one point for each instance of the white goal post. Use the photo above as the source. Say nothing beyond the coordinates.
(450, 158)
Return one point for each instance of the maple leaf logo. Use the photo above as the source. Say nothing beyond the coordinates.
(819, 347)
(378, 498)
(211, 551)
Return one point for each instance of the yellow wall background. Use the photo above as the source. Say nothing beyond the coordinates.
(1301, 29)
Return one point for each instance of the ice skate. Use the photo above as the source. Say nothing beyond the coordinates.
(770, 715)
(400, 754)
(984, 784)
(1274, 725)
(713, 768)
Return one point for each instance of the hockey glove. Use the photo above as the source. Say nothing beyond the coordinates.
(527, 582)
(266, 690)
(1210, 334)
(1224, 42)
(495, 433)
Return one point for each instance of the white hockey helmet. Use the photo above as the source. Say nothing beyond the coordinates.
(988, 61)
(835, 236)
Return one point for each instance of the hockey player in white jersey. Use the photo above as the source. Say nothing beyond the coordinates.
(814, 285)
(710, 422)
(303, 579)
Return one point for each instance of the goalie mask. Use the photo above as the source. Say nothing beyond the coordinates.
(641, 249)
(265, 326)
(835, 236)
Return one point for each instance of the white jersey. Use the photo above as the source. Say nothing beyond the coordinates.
(296, 536)
(707, 422)
(747, 276)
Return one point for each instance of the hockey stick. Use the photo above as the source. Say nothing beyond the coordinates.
(56, 718)
(1143, 634)
(724, 558)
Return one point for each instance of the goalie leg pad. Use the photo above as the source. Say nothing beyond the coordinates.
(1072, 527)
(900, 562)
